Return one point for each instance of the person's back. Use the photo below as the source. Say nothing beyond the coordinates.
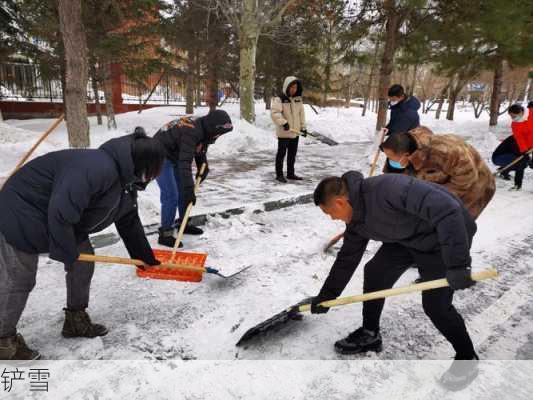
(448, 160)
(25, 198)
(400, 209)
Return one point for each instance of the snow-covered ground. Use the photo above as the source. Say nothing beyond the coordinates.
(154, 319)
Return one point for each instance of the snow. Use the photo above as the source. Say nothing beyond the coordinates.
(165, 320)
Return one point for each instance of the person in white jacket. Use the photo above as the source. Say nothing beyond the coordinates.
(289, 116)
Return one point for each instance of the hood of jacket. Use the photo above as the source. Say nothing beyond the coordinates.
(120, 150)
(214, 124)
(288, 81)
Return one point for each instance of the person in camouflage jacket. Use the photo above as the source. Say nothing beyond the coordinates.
(446, 160)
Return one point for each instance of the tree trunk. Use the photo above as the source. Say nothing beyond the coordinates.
(368, 91)
(392, 29)
(526, 91)
(74, 41)
(94, 81)
(267, 94)
(189, 86)
(63, 73)
(248, 36)
(327, 66)
(413, 81)
(198, 78)
(452, 99)
(496, 92)
(212, 86)
(441, 100)
(108, 94)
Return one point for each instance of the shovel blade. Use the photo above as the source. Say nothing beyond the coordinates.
(290, 314)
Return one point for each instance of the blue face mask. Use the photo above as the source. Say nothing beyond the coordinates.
(395, 164)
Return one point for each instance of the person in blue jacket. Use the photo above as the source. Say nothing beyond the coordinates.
(403, 111)
(50, 206)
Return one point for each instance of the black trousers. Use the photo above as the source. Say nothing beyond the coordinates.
(386, 267)
(506, 152)
(284, 146)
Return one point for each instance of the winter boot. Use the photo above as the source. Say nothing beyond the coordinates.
(516, 188)
(294, 178)
(460, 374)
(360, 341)
(78, 324)
(166, 238)
(190, 229)
(281, 179)
(505, 176)
(14, 348)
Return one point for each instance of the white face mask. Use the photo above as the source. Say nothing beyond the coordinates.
(393, 103)
(518, 118)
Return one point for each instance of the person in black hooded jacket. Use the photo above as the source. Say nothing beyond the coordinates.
(419, 223)
(185, 139)
(51, 205)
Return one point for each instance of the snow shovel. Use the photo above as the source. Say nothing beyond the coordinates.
(187, 213)
(318, 136)
(516, 160)
(190, 270)
(293, 313)
(339, 236)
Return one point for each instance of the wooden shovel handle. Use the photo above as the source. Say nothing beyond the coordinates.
(41, 139)
(381, 294)
(517, 159)
(129, 261)
(376, 156)
(187, 213)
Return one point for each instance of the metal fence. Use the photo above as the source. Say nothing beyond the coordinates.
(167, 89)
(24, 82)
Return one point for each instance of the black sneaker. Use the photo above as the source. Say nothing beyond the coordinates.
(460, 374)
(505, 176)
(78, 324)
(190, 229)
(294, 178)
(281, 179)
(166, 238)
(360, 341)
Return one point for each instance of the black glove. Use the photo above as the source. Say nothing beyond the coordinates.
(316, 308)
(304, 132)
(150, 263)
(189, 197)
(286, 126)
(204, 175)
(459, 278)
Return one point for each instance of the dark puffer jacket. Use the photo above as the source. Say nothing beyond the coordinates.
(55, 201)
(400, 209)
(180, 139)
(404, 116)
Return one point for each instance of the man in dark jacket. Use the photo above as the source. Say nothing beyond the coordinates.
(51, 205)
(403, 111)
(419, 223)
(184, 140)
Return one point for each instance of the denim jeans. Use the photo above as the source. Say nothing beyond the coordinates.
(169, 185)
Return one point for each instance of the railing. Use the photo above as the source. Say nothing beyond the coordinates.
(169, 89)
(25, 82)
